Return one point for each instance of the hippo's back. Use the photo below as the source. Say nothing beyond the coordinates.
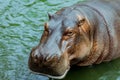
(106, 5)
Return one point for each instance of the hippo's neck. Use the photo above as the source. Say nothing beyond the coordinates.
(101, 39)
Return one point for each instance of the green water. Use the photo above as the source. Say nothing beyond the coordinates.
(21, 25)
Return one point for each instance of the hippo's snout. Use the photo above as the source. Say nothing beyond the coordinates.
(54, 66)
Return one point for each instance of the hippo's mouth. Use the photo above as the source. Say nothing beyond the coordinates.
(51, 76)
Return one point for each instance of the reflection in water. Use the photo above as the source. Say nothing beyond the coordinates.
(21, 25)
(51, 79)
(111, 75)
(104, 71)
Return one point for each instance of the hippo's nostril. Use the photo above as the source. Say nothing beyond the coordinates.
(35, 58)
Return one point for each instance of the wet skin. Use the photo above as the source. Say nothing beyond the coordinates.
(82, 34)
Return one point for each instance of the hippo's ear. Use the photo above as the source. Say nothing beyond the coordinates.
(50, 16)
(81, 21)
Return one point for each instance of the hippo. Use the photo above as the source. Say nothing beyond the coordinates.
(83, 34)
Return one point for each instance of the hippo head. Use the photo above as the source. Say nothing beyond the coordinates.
(65, 41)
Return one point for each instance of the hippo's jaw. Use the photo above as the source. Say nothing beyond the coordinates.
(51, 76)
(53, 67)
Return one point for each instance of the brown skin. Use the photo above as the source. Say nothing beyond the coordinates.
(81, 34)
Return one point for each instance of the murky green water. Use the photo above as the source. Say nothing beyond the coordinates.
(21, 25)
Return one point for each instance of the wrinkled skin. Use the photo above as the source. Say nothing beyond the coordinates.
(82, 34)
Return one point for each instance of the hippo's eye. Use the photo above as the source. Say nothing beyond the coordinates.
(69, 33)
